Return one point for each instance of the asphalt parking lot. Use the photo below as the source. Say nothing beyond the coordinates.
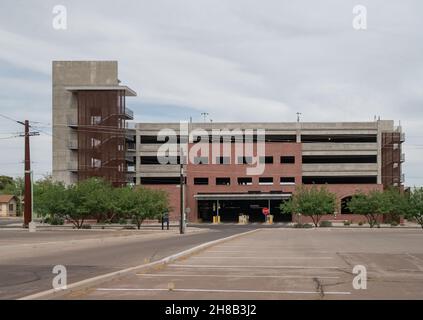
(27, 258)
(284, 264)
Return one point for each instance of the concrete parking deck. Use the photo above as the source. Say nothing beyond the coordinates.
(284, 264)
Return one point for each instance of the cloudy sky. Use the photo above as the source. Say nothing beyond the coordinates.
(238, 60)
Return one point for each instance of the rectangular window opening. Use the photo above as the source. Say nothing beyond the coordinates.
(223, 181)
(201, 181)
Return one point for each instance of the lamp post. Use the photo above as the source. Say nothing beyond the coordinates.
(181, 193)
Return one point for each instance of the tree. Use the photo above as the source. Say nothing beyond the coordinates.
(414, 206)
(149, 204)
(364, 204)
(390, 203)
(5, 181)
(87, 199)
(90, 198)
(124, 202)
(313, 202)
(51, 199)
(95, 197)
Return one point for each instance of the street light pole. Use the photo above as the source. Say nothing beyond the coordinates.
(181, 192)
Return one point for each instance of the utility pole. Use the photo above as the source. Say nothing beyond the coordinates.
(28, 174)
(28, 191)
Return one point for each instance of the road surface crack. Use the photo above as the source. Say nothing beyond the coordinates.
(319, 287)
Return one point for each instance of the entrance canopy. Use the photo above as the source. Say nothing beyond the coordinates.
(243, 196)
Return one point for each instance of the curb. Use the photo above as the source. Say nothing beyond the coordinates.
(55, 293)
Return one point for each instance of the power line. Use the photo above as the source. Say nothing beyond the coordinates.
(11, 137)
(8, 118)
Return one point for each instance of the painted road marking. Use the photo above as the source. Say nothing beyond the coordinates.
(231, 276)
(256, 250)
(228, 291)
(243, 266)
(234, 257)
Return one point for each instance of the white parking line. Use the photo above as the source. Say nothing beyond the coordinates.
(243, 266)
(259, 258)
(231, 276)
(250, 250)
(228, 291)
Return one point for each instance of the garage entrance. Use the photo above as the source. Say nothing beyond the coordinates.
(230, 207)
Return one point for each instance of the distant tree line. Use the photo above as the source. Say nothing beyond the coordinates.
(390, 204)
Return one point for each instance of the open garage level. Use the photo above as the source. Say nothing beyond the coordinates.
(230, 210)
(230, 207)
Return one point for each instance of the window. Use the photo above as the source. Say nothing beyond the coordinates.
(287, 159)
(265, 181)
(160, 139)
(160, 180)
(95, 142)
(245, 160)
(201, 181)
(340, 180)
(11, 209)
(266, 159)
(341, 159)
(245, 181)
(131, 146)
(344, 205)
(223, 160)
(281, 138)
(146, 139)
(201, 160)
(223, 181)
(349, 138)
(95, 120)
(95, 163)
(287, 180)
(147, 160)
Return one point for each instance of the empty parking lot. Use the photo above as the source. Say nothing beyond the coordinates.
(284, 264)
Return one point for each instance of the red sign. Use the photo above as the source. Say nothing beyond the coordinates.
(266, 211)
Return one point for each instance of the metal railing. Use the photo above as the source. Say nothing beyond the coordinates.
(129, 113)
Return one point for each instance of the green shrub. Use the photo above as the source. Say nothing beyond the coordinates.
(129, 227)
(86, 226)
(54, 221)
(325, 224)
(122, 221)
(303, 225)
(360, 223)
(394, 224)
(347, 223)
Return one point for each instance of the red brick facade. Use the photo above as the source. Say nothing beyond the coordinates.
(276, 170)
